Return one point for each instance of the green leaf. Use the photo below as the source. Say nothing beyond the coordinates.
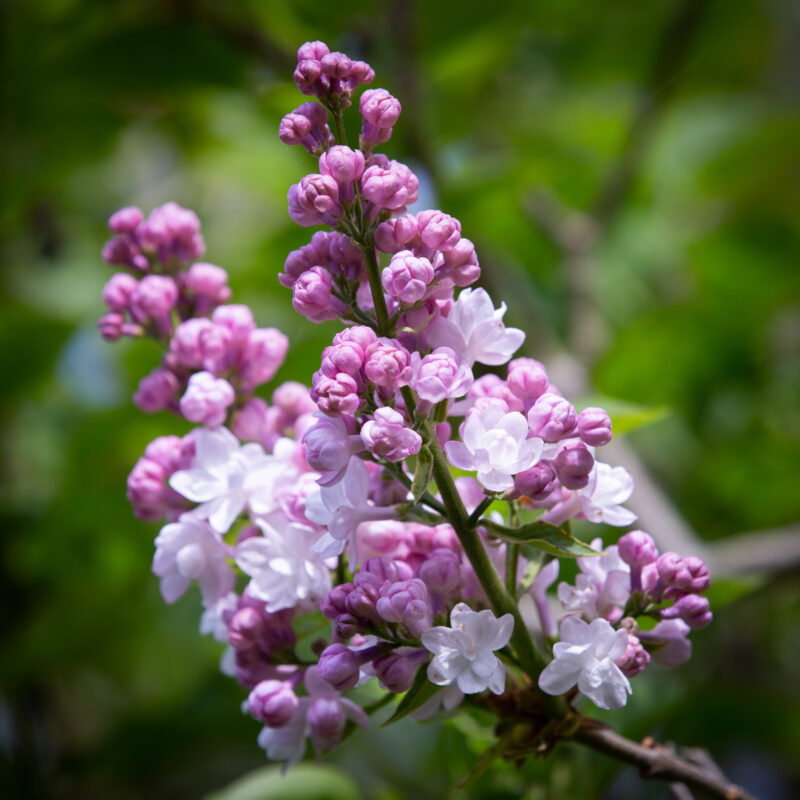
(301, 782)
(543, 536)
(422, 474)
(625, 416)
(420, 692)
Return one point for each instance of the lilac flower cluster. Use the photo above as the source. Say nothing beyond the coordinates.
(630, 581)
(338, 498)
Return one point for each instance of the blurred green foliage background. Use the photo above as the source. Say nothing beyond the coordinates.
(630, 174)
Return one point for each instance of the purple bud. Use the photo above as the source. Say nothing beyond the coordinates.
(209, 284)
(156, 390)
(306, 75)
(336, 65)
(110, 326)
(573, 463)
(686, 574)
(406, 602)
(263, 354)
(439, 376)
(342, 164)
(388, 364)
(552, 418)
(407, 277)
(339, 666)
(537, 482)
(527, 378)
(334, 603)
(380, 112)
(437, 230)
(594, 426)
(634, 659)
(312, 51)
(396, 234)
(126, 220)
(273, 703)
(393, 187)
(396, 671)
(313, 298)
(245, 628)
(441, 572)
(153, 298)
(315, 201)
(459, 264)
(206, 399)
(118, 291)
(335, 396)
(326, 720)
(693, 609)
(386, 436)
(238, 319)
(637, 548)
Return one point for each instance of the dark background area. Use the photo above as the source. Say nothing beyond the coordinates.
(630, 175)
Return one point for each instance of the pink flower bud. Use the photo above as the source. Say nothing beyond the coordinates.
(345, 166)
(396, 671)
(693, 609)
(110, 326)
(396, 234)
(273, 703)
(594, 426)
(126, 220)
(315, 201)
(293, 399)
(294, 128)
(637, 548)
(170, 452)
(339, 666)
(361, 335)
(326, 721)
(172, 232)
(573, 464)
(552, 418)
(634, 659)
(185, 342)
(147, 491)
(388, 364)
(459, 264)
(536, 483)
(118, 291)
(307, 75)
(380, 111)
(245, 628)
(238, 319)
(441, 572)
(439, 376)
(437, 230)
(307, 125)
(206, 399)
(209, 284)
(312, 51)
(685, 574)
(387, 437)
(527, 378)
(336, 65)
(493, 387)
(393, 187)
(406, 602)
(250, 422)
(156, 391)
(335, 396)
(153, 298)
(313, 298)
(407, 277)
(263, 355)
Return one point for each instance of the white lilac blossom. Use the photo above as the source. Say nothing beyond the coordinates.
(226, 477)
(602, 587)
(586, 657)
(341, 508)
(464, 652)
(212, 622)
(495, 445)
(599, 501)
(474, 329)
(284, 570)
(190, 550)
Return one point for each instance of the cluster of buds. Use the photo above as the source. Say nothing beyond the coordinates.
(339, 498)
(210, 363)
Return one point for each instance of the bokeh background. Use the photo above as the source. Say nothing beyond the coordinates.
(630, 174)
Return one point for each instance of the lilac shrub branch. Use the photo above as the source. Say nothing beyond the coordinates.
(340, 497)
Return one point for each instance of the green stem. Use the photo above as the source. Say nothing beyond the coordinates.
(338, 123)
(512, 559)
(476, 514)
(499, 598)
(374, 276)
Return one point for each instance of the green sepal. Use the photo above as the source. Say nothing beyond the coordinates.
(542, 536)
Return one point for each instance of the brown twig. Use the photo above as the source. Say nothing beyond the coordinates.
(658, 762)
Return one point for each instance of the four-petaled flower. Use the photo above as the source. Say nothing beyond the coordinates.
(586, 656)
(464, 652)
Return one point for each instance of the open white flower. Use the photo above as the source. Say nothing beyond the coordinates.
(285, 572)
(495, 445)
(190, 550)
(474, 329)
(464, 652)
(586, 656)
(226, 478)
